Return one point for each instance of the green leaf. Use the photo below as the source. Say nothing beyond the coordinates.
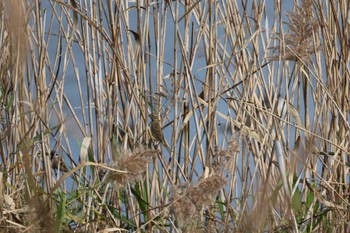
(221, 206)
(296, 204)
(139, 197)
(275, 192)
(310, 197)
(116, 213)
(60, 212)
(9, 103)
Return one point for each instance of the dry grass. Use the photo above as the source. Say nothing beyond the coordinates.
(253, 102)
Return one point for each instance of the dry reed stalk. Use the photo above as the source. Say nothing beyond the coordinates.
(180, 46)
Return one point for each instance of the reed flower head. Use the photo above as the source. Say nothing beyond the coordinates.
(134, 163)
(188, 199)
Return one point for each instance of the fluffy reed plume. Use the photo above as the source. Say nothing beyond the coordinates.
(188, 199)
(299, 39)
(259, 217)
(134, 163)
(232, 147)
(183, 208)
(203, 193)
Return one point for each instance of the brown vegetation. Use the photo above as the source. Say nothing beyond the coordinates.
(251, 102)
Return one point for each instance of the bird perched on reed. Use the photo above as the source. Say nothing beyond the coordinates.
(57, 163)
(156, 131)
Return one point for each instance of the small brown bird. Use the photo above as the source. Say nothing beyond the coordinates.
(156, 131)
(57, 163)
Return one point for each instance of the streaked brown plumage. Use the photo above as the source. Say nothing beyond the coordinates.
(57, 162)
(156, 131)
